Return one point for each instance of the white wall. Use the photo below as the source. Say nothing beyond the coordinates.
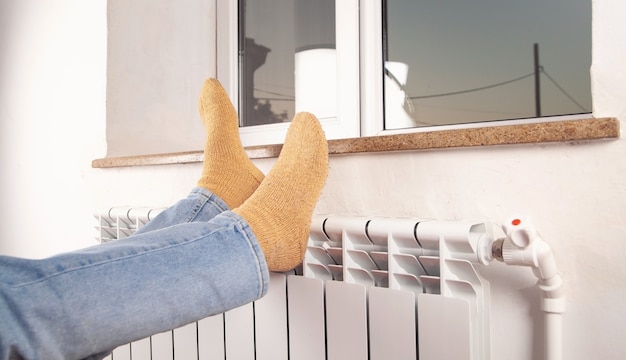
(146, 99)
(576, 193)
(52, 108)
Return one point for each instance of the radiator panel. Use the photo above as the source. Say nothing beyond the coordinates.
(239, 340)
(307, 318)
(186, 342)
(443, 318)
(140, 349)
(211, 338)
(161, 346)
(270, 315)
(346, 319)
(392, 324)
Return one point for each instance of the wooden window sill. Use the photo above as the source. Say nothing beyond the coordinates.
(545, 132)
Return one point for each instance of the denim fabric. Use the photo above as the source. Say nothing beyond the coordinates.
(199, 205)
(87, 302)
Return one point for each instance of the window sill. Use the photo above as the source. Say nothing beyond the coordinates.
(546, 132)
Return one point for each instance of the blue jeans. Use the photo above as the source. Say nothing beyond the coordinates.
(195, 259)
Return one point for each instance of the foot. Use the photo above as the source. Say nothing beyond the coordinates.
(280, 211)
(227, 171)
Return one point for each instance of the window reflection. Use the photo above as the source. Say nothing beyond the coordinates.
(459, 61)
(286, 53)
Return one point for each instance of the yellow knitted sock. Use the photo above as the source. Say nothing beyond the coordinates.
(227, 171)
(280, 211)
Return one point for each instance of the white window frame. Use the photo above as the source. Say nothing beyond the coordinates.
(360, 79)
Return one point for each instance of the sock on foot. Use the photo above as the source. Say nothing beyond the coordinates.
(280, 211)
(227, 170)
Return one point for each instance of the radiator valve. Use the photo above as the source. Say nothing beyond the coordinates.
(523, 246)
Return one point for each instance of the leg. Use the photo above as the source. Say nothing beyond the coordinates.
(228, 177)
(280, 211)
(199, 205)
(227, 171)
(87, 302)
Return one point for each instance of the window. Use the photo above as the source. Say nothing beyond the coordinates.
(369, 67)
(289, 58)
(459, 61)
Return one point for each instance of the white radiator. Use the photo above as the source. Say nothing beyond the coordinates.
(369, 288)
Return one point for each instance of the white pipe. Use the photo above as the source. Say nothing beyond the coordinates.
(554, 338)
(553, 305)
(524, 246)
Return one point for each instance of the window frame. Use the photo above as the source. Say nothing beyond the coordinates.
(360, 83)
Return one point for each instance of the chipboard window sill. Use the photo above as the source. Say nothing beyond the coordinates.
(533, 133)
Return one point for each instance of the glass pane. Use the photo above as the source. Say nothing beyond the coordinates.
(460, 61)
(286, 54)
